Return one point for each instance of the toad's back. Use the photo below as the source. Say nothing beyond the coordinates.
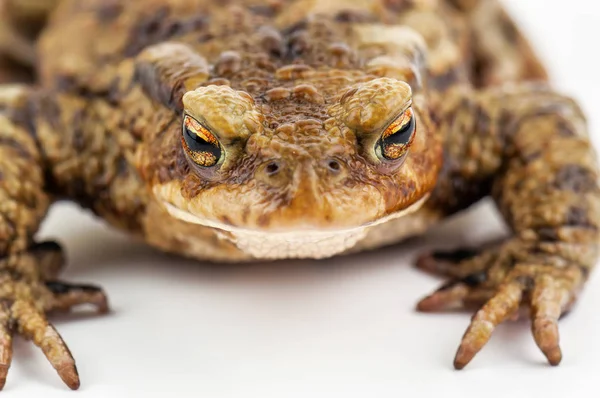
(86, 41)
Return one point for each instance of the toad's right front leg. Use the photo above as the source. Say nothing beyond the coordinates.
(28, 288)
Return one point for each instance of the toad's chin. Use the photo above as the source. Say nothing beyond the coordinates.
(300, 243)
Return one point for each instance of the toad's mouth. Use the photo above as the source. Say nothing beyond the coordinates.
(300, 243)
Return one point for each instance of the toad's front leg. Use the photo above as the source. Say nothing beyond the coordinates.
(529, 148)
(28, 288)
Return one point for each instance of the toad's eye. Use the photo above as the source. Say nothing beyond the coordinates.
(200, 145)
(398, 136)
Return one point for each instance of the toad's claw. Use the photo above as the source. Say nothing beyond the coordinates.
(500, 308)
(492, 282)
(28, 293)
(33, 325)
(548, 302)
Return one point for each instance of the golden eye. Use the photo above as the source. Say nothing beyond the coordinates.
(199, 144)
(398, 136)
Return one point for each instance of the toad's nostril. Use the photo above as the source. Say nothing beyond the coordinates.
(272, 168)
(334, 166)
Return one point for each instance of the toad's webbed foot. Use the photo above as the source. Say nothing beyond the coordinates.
(501, 281)
(28, 291)
(526, 147)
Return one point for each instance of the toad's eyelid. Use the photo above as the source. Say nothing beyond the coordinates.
(197, 128)
(399, 122)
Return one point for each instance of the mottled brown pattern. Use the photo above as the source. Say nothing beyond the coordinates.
(299, 95)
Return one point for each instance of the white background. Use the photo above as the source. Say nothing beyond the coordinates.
(338, 328)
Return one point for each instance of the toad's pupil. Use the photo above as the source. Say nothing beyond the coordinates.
(402, 137)
(196, 143)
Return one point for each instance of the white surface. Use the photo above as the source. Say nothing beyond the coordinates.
(338, 328)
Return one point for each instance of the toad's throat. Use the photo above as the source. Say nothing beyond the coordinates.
(301, 243)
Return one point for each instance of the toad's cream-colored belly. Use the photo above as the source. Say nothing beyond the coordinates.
(172, 234)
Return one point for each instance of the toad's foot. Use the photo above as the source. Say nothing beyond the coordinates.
(28, 291)
(501, 281)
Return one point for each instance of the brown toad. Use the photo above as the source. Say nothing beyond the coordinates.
(251, 130)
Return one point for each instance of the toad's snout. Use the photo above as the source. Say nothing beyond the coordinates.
(281, 173)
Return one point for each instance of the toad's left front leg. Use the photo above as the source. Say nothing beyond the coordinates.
(530, 147)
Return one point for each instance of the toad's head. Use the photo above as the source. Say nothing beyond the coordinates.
(300, 165)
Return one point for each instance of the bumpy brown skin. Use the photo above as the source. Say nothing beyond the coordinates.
(309, 87)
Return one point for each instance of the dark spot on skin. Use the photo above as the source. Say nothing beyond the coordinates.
(455, 191)
(15, 146)
(575, 178)
(15, 72)
(65, 83)
(272, 41)
(23, 116)
(353, 16)
(480, 67)
(264, 10)
(206, 36)
(163, 175)
(398, 5)
(577, 216)
(507, 124)
(193, 24)
(454, 256)
(109, 11)
(114, 92)
(585, 271)
(526, 281)
(79, 143)
(58, 287)
(547, 234)
(65, 288)
(475, 279)
(10, 228)
(564, 129)
(483, 121)
(157, 27)
(226, 220)
(163, 86)
(448, 79)
(174, 29)
(530, 157)
(408, 189)
(263, 220)
(298, 26)
(245, 214)
(78, 191)
(122, 167)
(298, 44)
(509, 30)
